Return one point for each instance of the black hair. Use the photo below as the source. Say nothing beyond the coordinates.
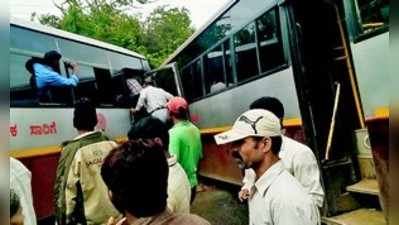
(269, 103)
(182, 114)
(84, 115)
(276, 143)
(148, 128)
(14, 203)
(136, 173)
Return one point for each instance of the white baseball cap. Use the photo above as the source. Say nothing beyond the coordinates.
(252, 123)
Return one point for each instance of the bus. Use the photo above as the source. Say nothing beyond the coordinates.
(38, 128)
(327, 61)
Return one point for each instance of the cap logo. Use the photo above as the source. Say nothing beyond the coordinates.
(250, 122)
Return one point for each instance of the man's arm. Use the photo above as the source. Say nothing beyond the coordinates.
(45, 77)
(140, 102)
(306, 171)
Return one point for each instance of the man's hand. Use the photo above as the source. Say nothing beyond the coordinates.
(113, 221)
(133, 111)
(75, 68)
(244, 194)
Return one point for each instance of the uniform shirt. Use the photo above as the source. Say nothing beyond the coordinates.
(20, 182)
(185, 144)
(300, 161)
(153, 98)
(179, 190)
(169, 218)
(279, 199)
(46, 76)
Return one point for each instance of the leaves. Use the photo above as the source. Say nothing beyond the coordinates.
(107, 20)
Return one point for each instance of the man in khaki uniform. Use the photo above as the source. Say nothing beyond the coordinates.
(80, 193)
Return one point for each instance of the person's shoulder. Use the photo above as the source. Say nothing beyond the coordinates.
(286, 188)
(191, 219)
(295, 145)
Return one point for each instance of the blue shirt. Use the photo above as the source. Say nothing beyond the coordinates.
(46, 76)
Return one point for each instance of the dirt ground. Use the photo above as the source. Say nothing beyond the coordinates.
(220, 207)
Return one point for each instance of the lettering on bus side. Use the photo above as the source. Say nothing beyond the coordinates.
(44, 129)
(13, 130)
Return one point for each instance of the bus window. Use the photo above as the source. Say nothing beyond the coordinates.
(106, 92)
(374, 14)
(245, 51)
(22, 92)
(271, 51)
(165, 79)
(214, 75)
(30, 40)
(192, 82)
(87, 86)
(228, 63)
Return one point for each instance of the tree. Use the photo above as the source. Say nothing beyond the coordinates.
(107, 20)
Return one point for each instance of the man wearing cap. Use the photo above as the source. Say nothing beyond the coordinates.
(278, 198)
(47, 72)
(298, 158)
(153, 99)
(184, 140)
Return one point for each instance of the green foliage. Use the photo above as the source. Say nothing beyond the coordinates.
(156, 38)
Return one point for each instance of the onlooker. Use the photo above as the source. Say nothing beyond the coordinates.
(80, 193)
(20, 183)
(16, 212)
(278, 198)
(153, 99)
(136, 175)
(185, 140)
(46, 73)
(298, 159)
(179, 192)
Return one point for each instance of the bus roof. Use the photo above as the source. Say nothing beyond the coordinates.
(71, 36)
(199, 31)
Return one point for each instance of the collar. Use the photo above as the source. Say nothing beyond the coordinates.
(264, 182)
(172, 161)
(85, 135)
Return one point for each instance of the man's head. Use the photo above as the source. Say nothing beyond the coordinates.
(52, 58)
(148, 81)
(84, 115)
(271, 104)
(255, 135)
(150, 128)
(178, 108)
(136, 175)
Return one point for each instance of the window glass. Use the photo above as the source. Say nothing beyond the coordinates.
(192, 82)
(31, 41)
(374, 14)
(165, 79)
(120, 61)
(106, 91)
(87, 86)
(214, 75)
(21, 92)
(245, 52)
(83, 53)
(228, 63)
(270, 44)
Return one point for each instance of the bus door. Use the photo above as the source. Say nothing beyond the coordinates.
(328, 95)
(167, 77)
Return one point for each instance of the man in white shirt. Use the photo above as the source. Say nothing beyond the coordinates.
(179, 189)
(153, 99)
(297, 158)
(20, 182)
(278, 198)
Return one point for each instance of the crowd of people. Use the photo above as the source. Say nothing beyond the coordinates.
(152, 178)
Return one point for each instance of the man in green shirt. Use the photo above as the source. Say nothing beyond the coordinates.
(184, 140)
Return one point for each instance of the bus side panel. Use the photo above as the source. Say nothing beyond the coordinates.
(222, 109)
(372, 68)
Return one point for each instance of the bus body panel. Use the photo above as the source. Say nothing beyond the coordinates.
(370, 57)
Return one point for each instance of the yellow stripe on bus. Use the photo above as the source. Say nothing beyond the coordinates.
(40, 151)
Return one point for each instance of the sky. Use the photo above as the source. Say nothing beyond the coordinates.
(200, 10)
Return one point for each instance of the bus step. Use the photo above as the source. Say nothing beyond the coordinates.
(365, 186)
(357, 217)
